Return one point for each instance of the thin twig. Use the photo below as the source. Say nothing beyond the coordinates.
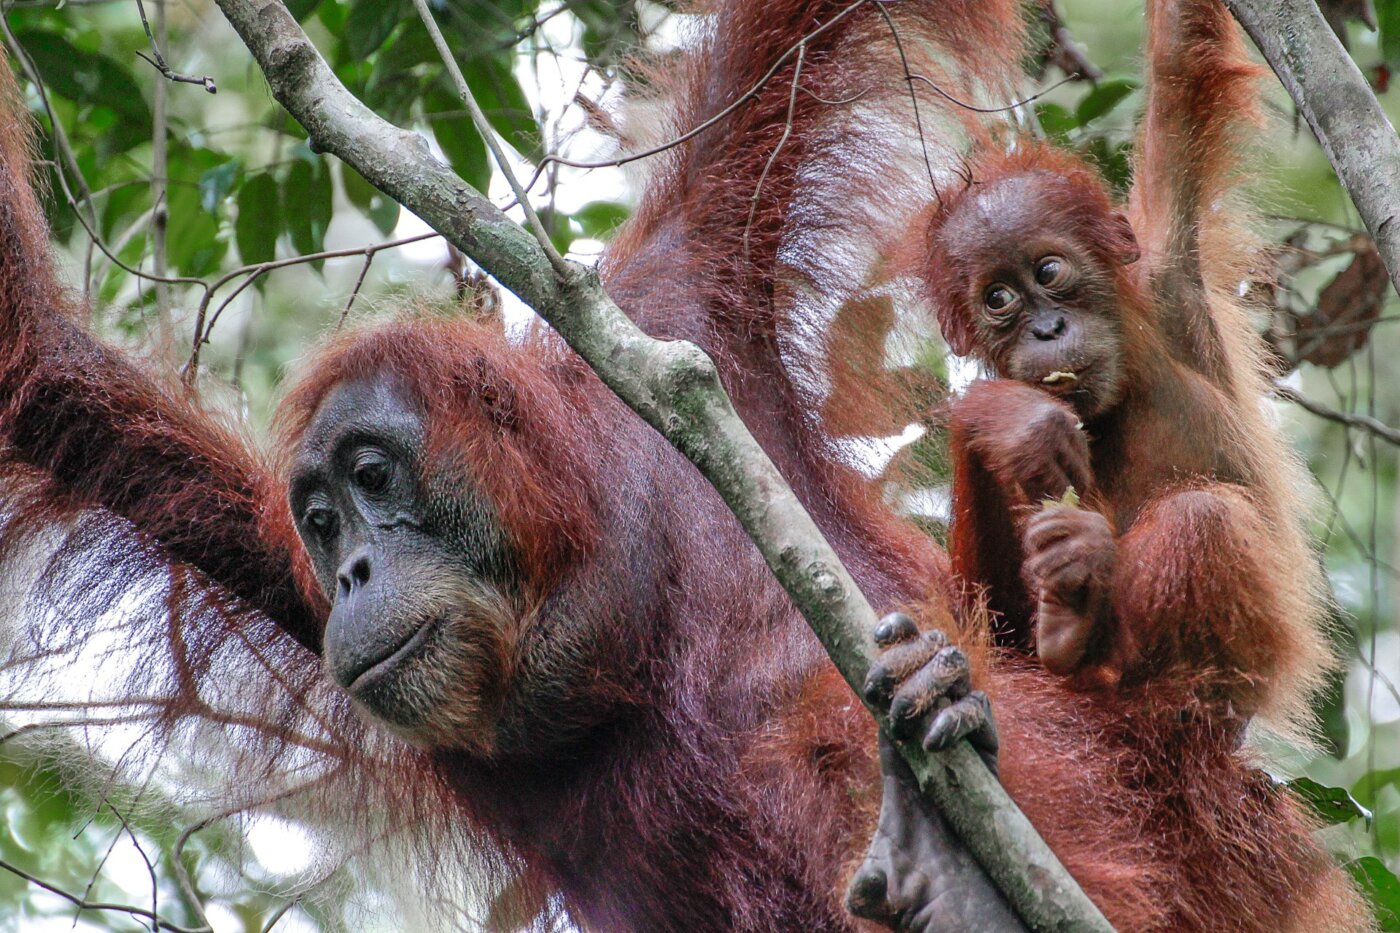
(773, 157)
(150, 866)
(838, 102)
(160, 209)
(913, 97)
(699, 128)
(1315, 222)
(61, 143)
(177, 852)
(355, 292)
(111, 256)
(159, 61)
(281, 912)
(47, 724)
(488, 135)
(202, 331)
(1373, 426)
(1004, 108)
(160, 922)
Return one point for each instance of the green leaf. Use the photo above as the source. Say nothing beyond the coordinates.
(369, 23)
(1114, 161)
(1388, 23)
(1380, 887)
(561, 228)
(301, 9)
(1054, 119)
(1333, 804)
(332, 16)
(599, 218)
(91, 78)
(1368, 788)
(216, 183)
(1102, 99)
(381, 209)
(259, 219)
(460, 142)
(192, 238)
(306, 205)
(506, 107)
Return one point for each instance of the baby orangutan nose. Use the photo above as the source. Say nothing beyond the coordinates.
(1048, 326)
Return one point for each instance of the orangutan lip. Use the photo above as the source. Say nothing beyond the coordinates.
(387, 663)
(1060, 376)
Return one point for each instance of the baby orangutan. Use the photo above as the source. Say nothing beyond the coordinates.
(1137, 384)
(1174, 596)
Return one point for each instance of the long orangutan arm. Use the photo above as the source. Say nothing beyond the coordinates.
(101, 434)
(1201, 98)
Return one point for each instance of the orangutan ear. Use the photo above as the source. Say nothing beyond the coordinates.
(1122, 241)
(956, 328)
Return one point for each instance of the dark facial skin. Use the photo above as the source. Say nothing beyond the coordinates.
(1043, 306)
(419, 616)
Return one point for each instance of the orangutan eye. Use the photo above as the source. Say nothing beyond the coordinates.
(1051, 271)
(371, 471)
(321, 522)
(999, 298)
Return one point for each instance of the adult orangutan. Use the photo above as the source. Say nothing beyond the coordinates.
(473, 544)
(1138, 384)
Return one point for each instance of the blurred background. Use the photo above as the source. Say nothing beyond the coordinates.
(211, 239)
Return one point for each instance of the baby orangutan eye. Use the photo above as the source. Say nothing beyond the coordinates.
(1051, 271)
(999, 299)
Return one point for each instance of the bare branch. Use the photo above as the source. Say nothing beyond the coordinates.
(1373, 426)
(82, 904)
(160, 211)
(203, 330)
(158, 62)
(1333, 96)
(777, 149)
(488, 135)
(696, 130)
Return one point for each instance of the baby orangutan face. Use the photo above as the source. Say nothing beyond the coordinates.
(1041, 304)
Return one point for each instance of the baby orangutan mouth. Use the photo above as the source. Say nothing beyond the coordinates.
(1060, 376)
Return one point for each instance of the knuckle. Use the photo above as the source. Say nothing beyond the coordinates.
(935, 639)
(877, 683)
(894, 628)
(904, 707)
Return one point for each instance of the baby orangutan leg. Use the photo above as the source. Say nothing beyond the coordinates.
(916, 875)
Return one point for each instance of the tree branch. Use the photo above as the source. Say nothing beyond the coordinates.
(1333, 96)
(82, 904)
(675, 387)
(1373, 426)
(488, 136)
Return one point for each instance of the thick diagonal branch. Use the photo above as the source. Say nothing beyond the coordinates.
(675, 387)
(1333, 96)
